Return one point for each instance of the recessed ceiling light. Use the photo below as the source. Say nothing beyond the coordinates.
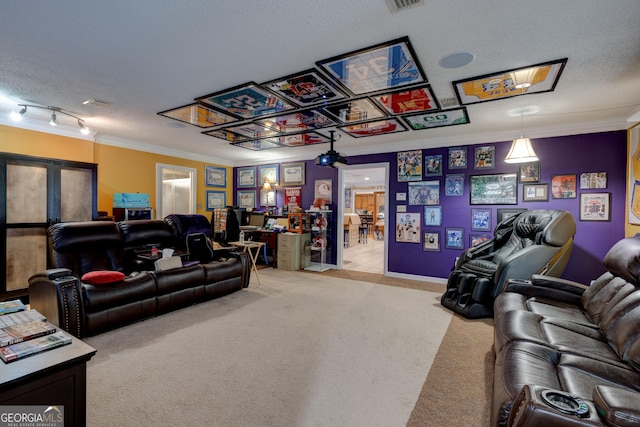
(456, 60)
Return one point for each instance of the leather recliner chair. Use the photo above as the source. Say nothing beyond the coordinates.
(534, 242)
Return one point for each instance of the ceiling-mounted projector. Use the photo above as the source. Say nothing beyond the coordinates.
(331, 158)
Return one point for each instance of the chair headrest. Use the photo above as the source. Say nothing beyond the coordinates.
(623, 259)
(552, 227)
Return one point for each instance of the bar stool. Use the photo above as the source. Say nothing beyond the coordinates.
(363, 232)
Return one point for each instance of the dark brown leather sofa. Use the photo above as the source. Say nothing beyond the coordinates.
(562, 342)
(85, 309)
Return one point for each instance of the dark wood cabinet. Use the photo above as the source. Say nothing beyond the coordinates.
(55, 377)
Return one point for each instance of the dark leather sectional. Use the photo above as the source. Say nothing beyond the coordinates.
(84, 309)
(553, 334)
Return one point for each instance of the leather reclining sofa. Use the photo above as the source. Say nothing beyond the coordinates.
(86, 309)
(568, 354)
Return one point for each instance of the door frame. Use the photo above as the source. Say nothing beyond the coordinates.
(193, 187)
(340, 211)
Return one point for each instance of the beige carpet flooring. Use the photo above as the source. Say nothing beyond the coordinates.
(303, 349)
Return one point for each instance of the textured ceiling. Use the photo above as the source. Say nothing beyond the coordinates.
(148, 56)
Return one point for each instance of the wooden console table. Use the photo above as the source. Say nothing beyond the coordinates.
(54, 377)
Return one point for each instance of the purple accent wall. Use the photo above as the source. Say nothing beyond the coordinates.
(599, 152)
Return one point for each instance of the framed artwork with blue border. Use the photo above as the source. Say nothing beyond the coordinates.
(246, 101)
(267, 173)
(247, 177)
(215, 177)
(454, 184)
(481, 219)
(304, 88)
(216, 199)
(476, 239)
(454, 238)
(433, 216)
(384, 66)
(433, 165)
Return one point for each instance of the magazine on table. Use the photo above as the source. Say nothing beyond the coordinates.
(25, 331)
(34, 346)
(11, 306)
(21, 317)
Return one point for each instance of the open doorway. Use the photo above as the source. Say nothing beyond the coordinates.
(362, 214)
(175, 190)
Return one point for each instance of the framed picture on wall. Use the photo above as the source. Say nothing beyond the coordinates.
(595, 207)
(292, 174)
(563, 186)
(409, 166)
(267, 173)
(247, 199)
(433, 216)
(476, 239)
(424, 193)
(457, 158)
(247, 176)
(499, 189)
(529, 172)
(591, 180)
(431, 242)
(216, 199)
(408, 227)
(215, 177)
(535, 192)
(484, 157)
(454, 184)
(454, 238)
(633, 175)
(481, 219)
(433, 165)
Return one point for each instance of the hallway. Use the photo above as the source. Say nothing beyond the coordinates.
(367, 257)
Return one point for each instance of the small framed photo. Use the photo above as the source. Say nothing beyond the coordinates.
(454, 184)
(433, 165)
(563, 186)
(433, 216)
(247, 177)
(457, 158)
(401, 208)
(476, 239)
(431, 242)
(409, 166)
(215, 177)
(484, 157)
(454, 238)
(499, 189)
(408, 227)
(292, 174)
(508, 213)
(424, 193)
(595, 207)
(529, 172)
(268, 173)
(593, 180)
(401, 197)
(247, 199)
(481, 219)
(535, 192)
(216, 199)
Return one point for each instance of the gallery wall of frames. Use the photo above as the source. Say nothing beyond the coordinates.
(444, 200)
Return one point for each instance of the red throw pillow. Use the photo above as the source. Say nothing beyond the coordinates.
(102, 277)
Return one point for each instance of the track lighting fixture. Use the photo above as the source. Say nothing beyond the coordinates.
(17, 116)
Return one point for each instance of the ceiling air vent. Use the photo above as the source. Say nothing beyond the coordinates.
(448, 102)
(97, 103)
(398, 5)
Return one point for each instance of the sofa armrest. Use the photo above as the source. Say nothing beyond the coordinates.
(57, 295)
(547, 287)
(617, 406)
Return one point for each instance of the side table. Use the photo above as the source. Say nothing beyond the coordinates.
(246, 247)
